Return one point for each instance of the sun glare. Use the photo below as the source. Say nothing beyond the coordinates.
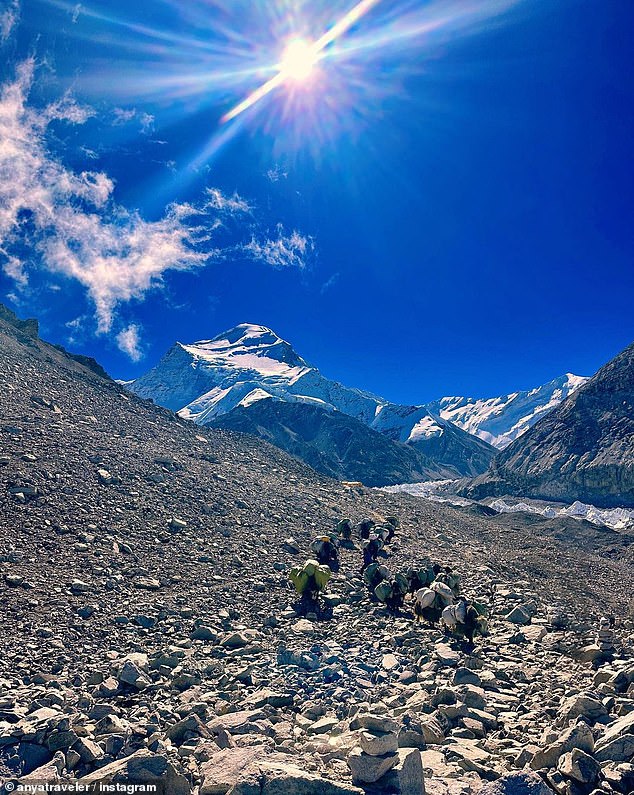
(298, 60)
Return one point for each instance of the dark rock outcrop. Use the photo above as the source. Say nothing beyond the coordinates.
(583, 450)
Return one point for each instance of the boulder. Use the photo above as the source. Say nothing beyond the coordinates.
(623, 725)
(446, 656)
(584, 705)
(224, 768)
(406, 777)
(236, 722)
(465, 676)
(374, 723)
(141, 768)
(519, 615)
(368, 769)
(580, 766)
(522, 783)
(378, 743)
(578, 736)
(191, 725)
(273, 777)
(619, 749)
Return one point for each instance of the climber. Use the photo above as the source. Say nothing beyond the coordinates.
(394, 525)
(343, 529)
(325, 548)
(371, 550)
(309, 581)
(374, 574)
(364, 528)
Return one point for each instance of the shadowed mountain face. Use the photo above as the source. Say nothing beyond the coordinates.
(333, 443)
(233, 380)
(583, 449)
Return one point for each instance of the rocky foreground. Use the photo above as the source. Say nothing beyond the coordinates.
(149, 635)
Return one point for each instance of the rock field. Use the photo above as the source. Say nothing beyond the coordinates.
(149, 634)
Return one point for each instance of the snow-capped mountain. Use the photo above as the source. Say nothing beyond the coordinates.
(240, 368)
(501, 420)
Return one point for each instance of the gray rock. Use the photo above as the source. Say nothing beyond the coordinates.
(223, 770)
(368, 769)
(518, 615)
(378, 743)
(273, 777)
(619, 749)
(582, 705)
(522, 783)
(142, 767)
(623, 725)
(407, 776)
(580, 766)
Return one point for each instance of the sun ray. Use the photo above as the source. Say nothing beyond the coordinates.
(313, 51)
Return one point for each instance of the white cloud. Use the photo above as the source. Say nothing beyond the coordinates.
(235, 204)
(14, 269)
(125, 115)
(9, 19)
(79, 231)
(67, 109)
(329, 283)
(282, 251)
(129, 342)
(72, 226)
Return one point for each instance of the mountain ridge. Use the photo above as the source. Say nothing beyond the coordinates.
(582, 450)
(243, 366)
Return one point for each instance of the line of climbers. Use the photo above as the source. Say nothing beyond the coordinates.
(433, 590)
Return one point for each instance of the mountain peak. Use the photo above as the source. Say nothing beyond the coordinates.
(247, 333)
(247, 346)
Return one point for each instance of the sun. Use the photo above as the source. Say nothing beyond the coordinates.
(298, 60)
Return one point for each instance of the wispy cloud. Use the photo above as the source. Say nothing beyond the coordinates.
(126, 115)
(283, 250)
(129, 341)
(329, 283)
(9, 19)
(232, 204)
(76, 229)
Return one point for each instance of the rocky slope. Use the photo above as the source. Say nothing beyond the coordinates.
(501, 420)
(250, 365)
(149, 635)
(583, 450)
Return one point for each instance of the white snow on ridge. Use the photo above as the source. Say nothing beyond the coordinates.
(616, 518)
(425, 428)
(206, 379)
(500, 420)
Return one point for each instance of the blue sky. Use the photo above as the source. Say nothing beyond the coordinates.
(444, 207)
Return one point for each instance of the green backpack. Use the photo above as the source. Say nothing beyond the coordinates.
(322, 574)
(299, 578)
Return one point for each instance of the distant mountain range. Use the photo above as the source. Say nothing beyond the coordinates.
(251, 380)
(581, 450)
(501, 420)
